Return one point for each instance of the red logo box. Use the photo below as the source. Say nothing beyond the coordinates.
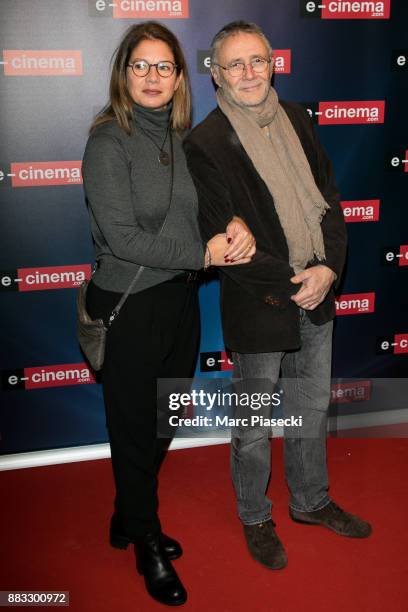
(355, 303)
(47, 62)
(401, 343)
(225, 361)
(55, 277)
(62, 375)
(355, 9)
(151, 9)
(403, 255)
(356, 391)
(41, 174)
(282, 61)
(355, 211)
(353, 112)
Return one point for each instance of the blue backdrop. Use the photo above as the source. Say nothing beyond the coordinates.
(346, 62)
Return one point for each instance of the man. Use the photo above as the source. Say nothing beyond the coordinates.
(259, 158)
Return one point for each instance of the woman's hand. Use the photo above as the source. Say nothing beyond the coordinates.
(241, 241)
(218, 246)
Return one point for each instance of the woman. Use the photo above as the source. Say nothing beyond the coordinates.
(143, 210)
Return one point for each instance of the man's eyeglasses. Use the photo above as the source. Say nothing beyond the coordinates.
(258, 65)
(141, 68)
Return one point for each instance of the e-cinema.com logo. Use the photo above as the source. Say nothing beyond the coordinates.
(54, 62)
(216, 361)
(282, 61)
(394, 256)
(355, 211)
(346, 9)
(396, 344)
(355, 303)
(41, 279)
(39, 377)
(355, 391)
(350, 112)
(43, 174)
(397, 162)
(148, 9)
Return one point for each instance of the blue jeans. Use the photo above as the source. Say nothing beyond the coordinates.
(306, 392)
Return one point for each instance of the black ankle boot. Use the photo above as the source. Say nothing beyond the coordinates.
(161, 579)
(119, 540)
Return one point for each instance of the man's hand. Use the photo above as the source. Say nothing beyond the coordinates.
(242, 243)
(316, 282)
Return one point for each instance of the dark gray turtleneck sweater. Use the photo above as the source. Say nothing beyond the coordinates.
(128, 193)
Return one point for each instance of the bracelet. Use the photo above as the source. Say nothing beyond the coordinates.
(207, 258)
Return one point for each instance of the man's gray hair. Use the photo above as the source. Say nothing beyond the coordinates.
(234, 28)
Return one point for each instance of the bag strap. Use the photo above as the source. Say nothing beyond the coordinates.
(124, 297)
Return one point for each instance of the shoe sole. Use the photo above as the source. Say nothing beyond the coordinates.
(177, 602)
(270, 567)
(347, 535)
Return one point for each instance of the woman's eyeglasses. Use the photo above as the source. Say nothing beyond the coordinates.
(141, 68)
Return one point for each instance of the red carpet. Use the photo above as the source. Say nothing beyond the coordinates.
(54, 536)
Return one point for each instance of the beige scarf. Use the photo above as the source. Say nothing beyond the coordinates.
(278, 156)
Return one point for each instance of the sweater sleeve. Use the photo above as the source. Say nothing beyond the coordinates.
(106, 175)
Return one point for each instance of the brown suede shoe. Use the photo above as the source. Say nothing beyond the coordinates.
(264, 545)
(334, 518)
